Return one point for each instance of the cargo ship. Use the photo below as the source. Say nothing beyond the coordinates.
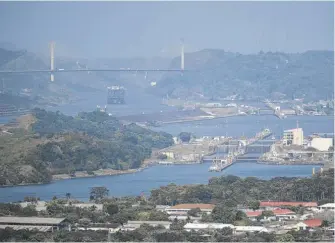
(116, 95)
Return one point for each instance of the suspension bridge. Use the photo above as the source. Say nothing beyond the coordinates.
(54, 70)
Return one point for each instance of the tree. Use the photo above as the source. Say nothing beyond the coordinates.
(29, 211)
(112, 209)
(68, 195)
(98, 192)
(194, 212)
(185, 137)
(254, 205)
(158, 216)
(325, 223)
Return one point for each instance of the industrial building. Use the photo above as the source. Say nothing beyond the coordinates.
(32, 223)
(116, 95)
(293, 137)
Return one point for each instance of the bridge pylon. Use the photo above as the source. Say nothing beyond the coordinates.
(52, 60)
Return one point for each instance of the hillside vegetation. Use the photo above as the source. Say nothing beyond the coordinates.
(217, 74)
(52, 143)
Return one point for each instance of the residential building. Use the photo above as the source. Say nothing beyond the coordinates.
(293, 137)
(279, 214)
(132, 225)
(328, 206)
(269, 205)
(206, 226)
(182, 209)
(31, 223)
(308, 224)
(250, 229)
(321, 144)
(185, 217)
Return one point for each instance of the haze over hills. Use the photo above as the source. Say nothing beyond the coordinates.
(217, 74)
(220, 74)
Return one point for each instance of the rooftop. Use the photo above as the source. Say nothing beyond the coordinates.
(275, 212)
(27, 227)
(192, 206)
(294, 204)
(313, 222)
(30, 220)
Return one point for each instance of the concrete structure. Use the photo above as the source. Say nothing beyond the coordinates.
(293, 137)
(182, 209)
(132, 225)
(328, 206)
(207, 226)
(321, 144)
(43, 224)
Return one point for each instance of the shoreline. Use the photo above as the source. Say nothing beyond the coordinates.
(140, 169)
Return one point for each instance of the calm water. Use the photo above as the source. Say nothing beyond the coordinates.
(134, 184)
(153, 177)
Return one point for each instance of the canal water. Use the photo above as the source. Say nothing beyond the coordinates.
(156, 176)
(148, 179)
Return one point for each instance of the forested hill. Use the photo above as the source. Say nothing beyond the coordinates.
(220, 74)
(47, 143)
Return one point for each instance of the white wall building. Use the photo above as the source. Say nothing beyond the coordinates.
(293, 137)
(328, 206)
(206, 226)
(321, 144)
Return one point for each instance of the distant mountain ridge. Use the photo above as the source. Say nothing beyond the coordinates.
(219, 74)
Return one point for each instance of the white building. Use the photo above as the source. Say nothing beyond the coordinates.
(132, 225)
(206, 226)
(182, 209)
(293, 137)
(321, 144)
(328, 206)
(250, 229)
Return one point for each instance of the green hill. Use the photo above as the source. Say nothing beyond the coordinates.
(46, 143)
(219, 74)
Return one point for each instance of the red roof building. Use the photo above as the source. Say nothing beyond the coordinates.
(312, 223)
(282, 212)
(282, 204)
(276, 212)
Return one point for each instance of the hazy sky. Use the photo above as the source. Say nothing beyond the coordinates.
(114, 29)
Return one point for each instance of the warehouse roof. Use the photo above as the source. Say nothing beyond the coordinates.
(27, 227)
(30, 220)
